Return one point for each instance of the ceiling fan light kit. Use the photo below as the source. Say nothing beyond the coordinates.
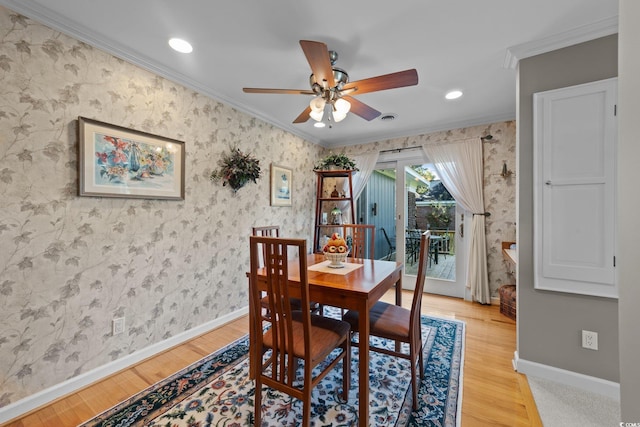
(338, 109)
(332, 90)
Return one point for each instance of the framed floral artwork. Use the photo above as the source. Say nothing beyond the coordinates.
(281, 185)
(118, 162)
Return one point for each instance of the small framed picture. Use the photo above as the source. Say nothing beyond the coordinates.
(281, 185)
(114, 161)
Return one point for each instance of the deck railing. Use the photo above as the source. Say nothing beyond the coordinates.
(446, 245)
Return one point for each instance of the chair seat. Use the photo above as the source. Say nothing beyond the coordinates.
(386, 320)
(327, 334)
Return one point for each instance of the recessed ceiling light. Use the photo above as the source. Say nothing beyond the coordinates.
(180, 45)
(454, 94)
(319, 124)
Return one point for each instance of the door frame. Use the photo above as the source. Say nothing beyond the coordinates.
(456, 288)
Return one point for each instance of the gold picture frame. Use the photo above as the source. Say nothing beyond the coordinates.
(114, 161)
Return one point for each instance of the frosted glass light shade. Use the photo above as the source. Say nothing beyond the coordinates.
(338, 116)
(316, 115)
(342, 106)
(317, 104)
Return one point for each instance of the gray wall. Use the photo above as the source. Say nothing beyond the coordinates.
(628, 208)
(550, 323)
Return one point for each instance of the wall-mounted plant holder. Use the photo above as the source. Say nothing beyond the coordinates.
(506, 173)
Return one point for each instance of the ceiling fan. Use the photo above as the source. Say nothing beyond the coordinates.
(332, 90)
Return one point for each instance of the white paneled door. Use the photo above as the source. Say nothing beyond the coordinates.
(574, 188)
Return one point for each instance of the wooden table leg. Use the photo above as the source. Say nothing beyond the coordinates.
(252, 339)
(399, 303)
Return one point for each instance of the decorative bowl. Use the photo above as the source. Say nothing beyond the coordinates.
(337, 258)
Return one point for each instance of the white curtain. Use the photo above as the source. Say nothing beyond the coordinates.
(460, 167)
(366, 163)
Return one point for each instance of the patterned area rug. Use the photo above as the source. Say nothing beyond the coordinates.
(216, 390)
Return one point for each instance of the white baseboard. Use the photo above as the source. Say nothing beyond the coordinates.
(74, 384)
(574, 379)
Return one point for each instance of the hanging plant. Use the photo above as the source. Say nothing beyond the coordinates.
(336, 161)
(236, 169)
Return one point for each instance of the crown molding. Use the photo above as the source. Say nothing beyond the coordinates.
(602, 28)
(61, 23)
(58, 22)
(437, 127)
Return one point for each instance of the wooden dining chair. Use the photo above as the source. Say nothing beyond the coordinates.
(412, 245)
(288, 335)
(390, 243)
(400, 324)
(359, 234)
(274, 231)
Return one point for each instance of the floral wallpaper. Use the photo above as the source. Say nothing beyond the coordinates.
(499, 192)
(69, 264)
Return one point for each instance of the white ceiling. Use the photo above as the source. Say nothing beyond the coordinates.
(469, 45)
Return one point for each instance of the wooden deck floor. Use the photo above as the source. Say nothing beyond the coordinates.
(445, 268)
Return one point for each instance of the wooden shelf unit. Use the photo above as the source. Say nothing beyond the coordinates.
(322, 201)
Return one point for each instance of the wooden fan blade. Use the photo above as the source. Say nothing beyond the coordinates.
(304, 116)
(281, 91)
(318, 57)
(361, 109)
(387, 81)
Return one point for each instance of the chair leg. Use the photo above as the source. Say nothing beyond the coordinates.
(257, 412)
(346, 369)
(306, 407)
(420, 358)
(414, 378)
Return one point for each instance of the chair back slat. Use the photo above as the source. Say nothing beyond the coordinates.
(359, 234)
(423, 260)
(266, 231)
(390, 244)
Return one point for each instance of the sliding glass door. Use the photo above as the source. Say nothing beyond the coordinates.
(402, 199)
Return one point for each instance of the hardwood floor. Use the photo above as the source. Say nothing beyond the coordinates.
(493, 394)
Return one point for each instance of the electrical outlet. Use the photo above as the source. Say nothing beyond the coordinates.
(590, 340)
(117, 326)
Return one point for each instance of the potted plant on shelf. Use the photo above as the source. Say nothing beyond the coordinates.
(236, 169)
(335, 162)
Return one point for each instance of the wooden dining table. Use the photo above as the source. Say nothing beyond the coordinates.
(359, 289)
